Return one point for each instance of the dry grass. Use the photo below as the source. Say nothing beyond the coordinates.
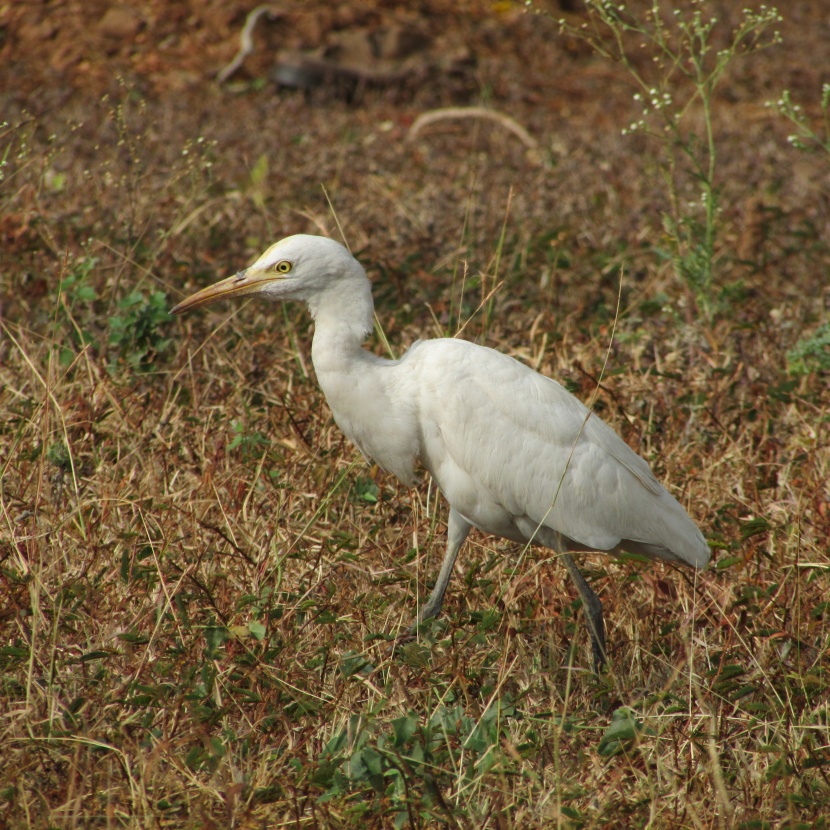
(197, 579)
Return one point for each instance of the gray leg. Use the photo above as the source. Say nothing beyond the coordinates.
(592, 607)
(457, 529)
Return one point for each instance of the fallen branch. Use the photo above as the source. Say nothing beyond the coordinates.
(246, 40)
(425, 119)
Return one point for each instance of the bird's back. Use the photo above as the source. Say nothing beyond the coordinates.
(519, 456)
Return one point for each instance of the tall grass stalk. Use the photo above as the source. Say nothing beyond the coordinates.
(806, 137)
(676, 96)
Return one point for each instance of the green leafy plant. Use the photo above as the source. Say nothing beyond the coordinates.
(621, 735)
(811, 353)
(58, 454)
(688, 68)
(365, 490)
(248, 444)
(405, 765)
(136, 331)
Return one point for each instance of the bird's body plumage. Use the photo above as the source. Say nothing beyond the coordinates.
(514, 453)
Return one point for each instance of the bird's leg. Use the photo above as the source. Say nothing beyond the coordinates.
(457, 529)
(592, 607)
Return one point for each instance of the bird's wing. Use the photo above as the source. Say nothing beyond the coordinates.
(503, 440)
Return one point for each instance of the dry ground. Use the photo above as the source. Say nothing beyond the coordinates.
(198, 573)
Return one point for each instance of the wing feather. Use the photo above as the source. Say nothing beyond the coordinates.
(510, 447)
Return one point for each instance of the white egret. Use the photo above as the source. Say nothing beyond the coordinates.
(513, 452)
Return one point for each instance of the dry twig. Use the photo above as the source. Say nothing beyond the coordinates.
(246, 40)
(425, 119)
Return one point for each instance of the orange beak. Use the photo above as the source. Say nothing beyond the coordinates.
(239, 285)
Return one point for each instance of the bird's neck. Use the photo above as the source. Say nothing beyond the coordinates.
(360, 388)
(342, 322)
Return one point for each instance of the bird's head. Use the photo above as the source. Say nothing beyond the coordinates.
(298, 267)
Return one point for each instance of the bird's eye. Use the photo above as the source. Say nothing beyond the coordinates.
(282, 267)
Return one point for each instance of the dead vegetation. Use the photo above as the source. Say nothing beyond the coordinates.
(199, 576)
